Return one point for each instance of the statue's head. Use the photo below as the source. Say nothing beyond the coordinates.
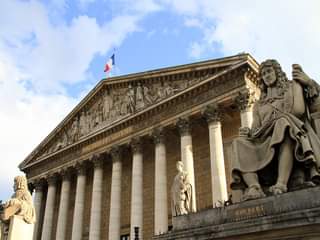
(20, 183)
(271, 74)
(179, 166)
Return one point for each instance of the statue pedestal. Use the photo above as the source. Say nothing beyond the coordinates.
(18, 230)
(290, 216)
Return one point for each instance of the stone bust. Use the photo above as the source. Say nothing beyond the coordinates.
(281, 150)
(181, 192)
(20, 203)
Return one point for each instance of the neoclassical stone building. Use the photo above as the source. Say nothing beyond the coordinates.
(109, 165)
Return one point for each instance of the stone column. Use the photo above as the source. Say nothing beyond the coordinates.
(160, 187)
(218, 173)
(187, 154)
(77, 227)
(136, 219)
(95, 216)
(38, 199)
(115, 203)
(244, 102)
(64, 206)
(49, 210)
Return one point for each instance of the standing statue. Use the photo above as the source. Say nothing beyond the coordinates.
(20, 203)
(139, 97)
(131, 99)
(181, 192)
(281, 149)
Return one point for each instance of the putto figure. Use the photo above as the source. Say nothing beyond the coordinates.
(181, 192)
(20, 203)
(281, 149)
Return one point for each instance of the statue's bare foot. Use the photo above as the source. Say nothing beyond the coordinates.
(278, 189)
(253, 192)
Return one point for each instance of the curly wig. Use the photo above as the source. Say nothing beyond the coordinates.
(281, 81)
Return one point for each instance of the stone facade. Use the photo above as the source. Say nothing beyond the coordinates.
(115, 114)
(291, 216)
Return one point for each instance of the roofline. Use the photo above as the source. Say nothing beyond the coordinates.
(129, 77)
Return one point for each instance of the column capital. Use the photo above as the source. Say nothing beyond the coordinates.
(65, 174)
(158, 135)
(115, 153)
(184, 126)
(244, 100)
(136, 145)
(212, 113)
(97, 161)
(52, 178)
(81, 168)
(39, 184)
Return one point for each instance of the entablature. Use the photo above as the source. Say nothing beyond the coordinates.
(202, 87)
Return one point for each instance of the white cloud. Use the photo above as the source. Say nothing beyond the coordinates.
(196, 50)
(286, 30)
(39, 56)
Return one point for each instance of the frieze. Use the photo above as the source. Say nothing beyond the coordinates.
(114, 104)
(180, 105)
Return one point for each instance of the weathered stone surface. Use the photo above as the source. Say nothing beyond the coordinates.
(18, 230)
(294, 215)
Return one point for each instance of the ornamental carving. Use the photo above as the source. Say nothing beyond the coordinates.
(113, 104)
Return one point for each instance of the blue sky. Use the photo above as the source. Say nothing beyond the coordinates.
(53, 52)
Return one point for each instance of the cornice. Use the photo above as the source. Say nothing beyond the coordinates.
(115, 126)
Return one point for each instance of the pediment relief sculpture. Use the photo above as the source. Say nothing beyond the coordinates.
(281, 151)
(114, 104)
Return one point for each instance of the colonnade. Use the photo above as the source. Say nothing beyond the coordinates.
(218, 183)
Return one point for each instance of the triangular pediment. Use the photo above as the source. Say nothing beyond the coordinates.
(117, 98)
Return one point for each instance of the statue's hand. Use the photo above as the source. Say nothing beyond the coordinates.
(300, 76)
(244, 132)
(13, 202)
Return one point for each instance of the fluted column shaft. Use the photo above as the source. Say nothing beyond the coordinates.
(64, 207)
(136, 218)
(187, 155)
(49, 210)
(95, 218)
(115, 203)
(38, 198)
(244, 103)
(218, 173)
(160, 187)
(77, 227)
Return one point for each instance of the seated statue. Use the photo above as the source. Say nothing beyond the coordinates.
(181, 191)
(20, 203)
(281, 150)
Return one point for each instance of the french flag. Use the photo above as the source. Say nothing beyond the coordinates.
(109, 64)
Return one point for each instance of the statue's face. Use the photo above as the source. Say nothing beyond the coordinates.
(179, 167)
(268, 76)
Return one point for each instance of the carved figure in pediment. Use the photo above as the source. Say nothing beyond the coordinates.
(74, 131)
(130, 99)
(139, 97)
(148, 95)
(281, 150)
(168, 89)
(107, 105)
(62, 141)
(20, 203)
(83, 126)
